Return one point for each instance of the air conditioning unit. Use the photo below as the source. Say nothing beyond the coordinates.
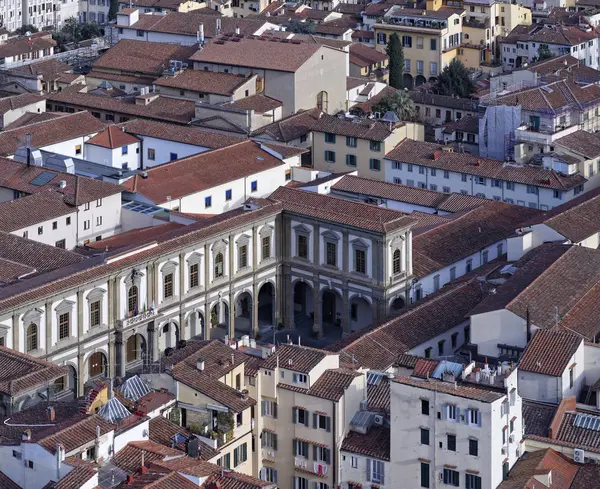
(579, 455)
(378, 419)
(511, 438)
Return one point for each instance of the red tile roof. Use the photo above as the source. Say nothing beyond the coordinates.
(112, 137)
(77, 478)
(45, 133)
(473, 231)
(378, 396)
(7, 483)
(294, 357)
(376, 443)
(163, 431)
(16, 214)
(129, 458)
(549, 353)
(431, 155)
(467, 391)
(566, 35)
(19, 101)
(359, 128)
(204, 81)
(530, 464)
(364, 216)
(169, 480)
(365, 56)
(20, 372)
(331, 385)
(424, 368)
(202, 171)
(257, 53)
(292, 127)
(259, 103)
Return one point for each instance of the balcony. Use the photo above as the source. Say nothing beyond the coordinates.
(543, 134)
(315, 468)
(268, 454)
(139, 318)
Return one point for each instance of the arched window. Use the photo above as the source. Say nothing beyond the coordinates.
(219, 265)
(96, 364)
(323, 101)
(32, 337)
(132, 300)
(397, 261)
(166, 328)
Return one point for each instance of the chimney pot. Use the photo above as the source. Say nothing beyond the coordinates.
(51, 414)
(129, 479)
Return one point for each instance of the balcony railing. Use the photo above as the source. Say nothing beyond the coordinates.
(138, 318)
(543, 133)
(316, 468)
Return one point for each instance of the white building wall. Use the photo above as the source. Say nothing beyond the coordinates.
(51, 236)
(99, 218)
(114, 158)
(163, 149)
(358, 474)
(497, 327)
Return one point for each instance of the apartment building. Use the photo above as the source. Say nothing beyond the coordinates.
(523, 43)
(429, 39)
(422, 164)
(307, 402)
(463, 134)
(368, 62)
(39, 77)
(24, 49)
(460, 426)
(300, 75)
(94, 11)
(442, 109)
(341, 143)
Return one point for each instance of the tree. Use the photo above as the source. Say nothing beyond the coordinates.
(396, 54)
(114, 8)
(400, 103)
(454, 80)
(21, 31)
(298, 27)
(544, 52)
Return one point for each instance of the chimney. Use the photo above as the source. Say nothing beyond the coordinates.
(129, 479)
(237, 30)
(200, 365)
(26, 435)
(201, 34)
(59, 459)
(218, 31)
(50, 414)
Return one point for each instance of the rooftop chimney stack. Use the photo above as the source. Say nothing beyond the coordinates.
(218, 27)
(201, 34)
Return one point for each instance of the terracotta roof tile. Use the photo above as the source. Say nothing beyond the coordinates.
(587, 439)
(202, 171)
(7, 483)
(19, 101)
(48, 69)
(161, 108)
(79, 477)
(257, 53)
(425, 98)
(549, 353)
(376, 443)
(182, 134)
(20, 372)
(25, 44)
(49, 132)
(468, 233)
(379, 348)
(530, 464)
(149, 58)
(467, 391)
(129, 458)
(424, 368)
(378, 396)
(75, 434)
(32, 118)
(333, 384)
(204, 81)
(294, 357)
(112, 137)
(585, 143)
(259, 103)
(565, 35)
(537, 417)
(365, 216)
(365, 56)
(360, 128)
(430, 155)
(170, 480)
(292, 127)
(162, 431)
(49, 204)
(587, 477)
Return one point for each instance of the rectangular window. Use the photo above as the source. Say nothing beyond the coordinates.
(302, 246)
(375, 145)
(78, 149)
(452, 273)
(168, 285)
(173, 156)
(269, 408)
(473, 481)
(454, 339)
(63, 326)
(375, 164)
(269, 440)
(425, 407)
(207, 202)
(474, 417)
(40, 230)
(55, 225)
(421, 170)
(270, 475)
(473, 447)
(377, 468)
(299, 378)
(151, 154)
(194, 275)
(61, 243)
(331, 258)
(288, 175)
(420, 67)
(424, 436)
(469, 266)
(351, 142)
(463, 177)
(451, 443)
(266, 247)
(254, 186)
(68, 221)
(510, 185)
(301, 417)
(484, 256)
(322, 422)
(433, 44)
(419, 42)
(424, 475)
(228, 194)
(446, 174)
(360, 261)
(330, 156)
(243, 256)
(351, 160)
(124, 150)
(95, 313)
(329, 138)
(99, 221)
(451, 477)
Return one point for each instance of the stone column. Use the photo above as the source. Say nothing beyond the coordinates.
(81, 374)
(152, 346)
(231, 317)
(184, 329)
(254, 320)
(48, 327)
(80, 315)
(207, 325)
(181, 275)
(346, 325)
(16, 328)
(317, 308)
(120, 355)
(112, 356)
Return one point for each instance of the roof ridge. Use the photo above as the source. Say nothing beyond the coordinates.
(62, 116)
